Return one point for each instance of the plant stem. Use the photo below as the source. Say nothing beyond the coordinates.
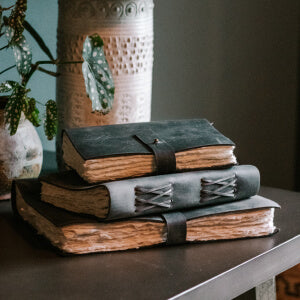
(57, 62)
(38, 39)
(26, 78)
(69, 62)
(7, 69)
(55, 74)
(7, 8)
(4, 47)
(40, 103)
(35, 67)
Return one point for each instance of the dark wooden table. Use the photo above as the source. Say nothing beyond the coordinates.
(30, 269)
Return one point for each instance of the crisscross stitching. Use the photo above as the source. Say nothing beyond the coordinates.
(223, 187)
(147, 198)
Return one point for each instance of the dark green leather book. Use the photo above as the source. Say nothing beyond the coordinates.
(149, 195)
(73, 233)
(113, 152)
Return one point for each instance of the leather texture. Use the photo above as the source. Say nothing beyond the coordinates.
(176, 228)
(116, 140)
(186, 189)
(164, 153)
(30, 190)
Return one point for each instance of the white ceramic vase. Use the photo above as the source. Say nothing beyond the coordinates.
(126, 28)
(21, 155)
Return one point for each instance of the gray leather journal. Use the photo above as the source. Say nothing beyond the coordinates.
(150, 195)
(74, 233)
(160, 147)
(138, 138)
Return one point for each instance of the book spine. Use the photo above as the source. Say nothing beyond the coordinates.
(157, 194)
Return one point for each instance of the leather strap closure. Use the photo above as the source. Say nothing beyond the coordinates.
(176, 228)
(164, 153)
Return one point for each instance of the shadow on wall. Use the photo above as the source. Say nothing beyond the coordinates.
(234, 63)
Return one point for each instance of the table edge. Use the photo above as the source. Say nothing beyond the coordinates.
(215, 288)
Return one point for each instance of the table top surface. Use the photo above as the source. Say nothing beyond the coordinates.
(214, 270)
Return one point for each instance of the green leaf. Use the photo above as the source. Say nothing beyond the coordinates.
(97, 75)
(8, 86)
(23, 56)
(50, 125)
(14, 107)
(31, 112)
(21, 50)
(15, 21)
(9, 33)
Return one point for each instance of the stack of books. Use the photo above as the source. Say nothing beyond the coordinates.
(144, 184)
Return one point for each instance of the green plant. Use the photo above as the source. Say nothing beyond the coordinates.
(97, 75)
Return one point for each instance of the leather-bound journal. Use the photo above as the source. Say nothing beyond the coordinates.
(111, 152)
(73, 233)
(148, 195)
